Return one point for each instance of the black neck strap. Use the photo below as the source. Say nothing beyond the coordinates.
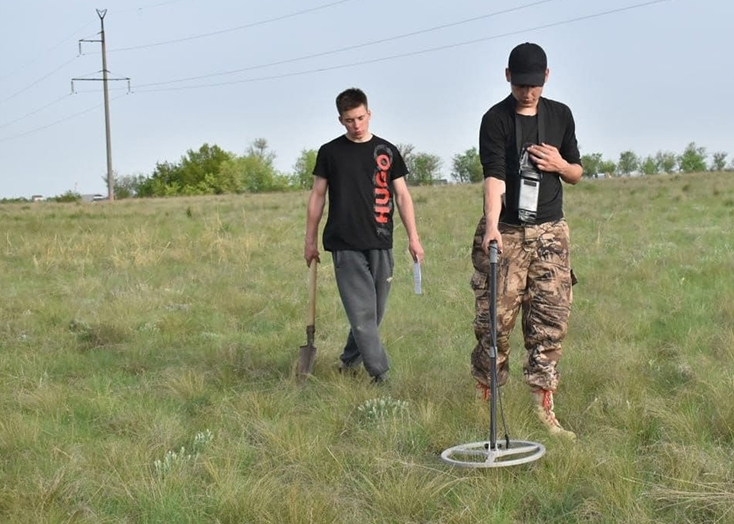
(541, 128)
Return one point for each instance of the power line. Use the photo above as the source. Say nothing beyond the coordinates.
(60, 121)
(238, 28)
(58, 44)
(36, 82)
(75, 33)
(31, 113)
(343, 66)
(352, 47)
(412, 53)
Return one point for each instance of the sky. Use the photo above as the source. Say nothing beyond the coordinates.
(639, 75)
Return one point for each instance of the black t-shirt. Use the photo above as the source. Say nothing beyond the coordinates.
(361, 197)
(499, 154)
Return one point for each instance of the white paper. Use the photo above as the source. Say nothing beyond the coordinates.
(417, 284)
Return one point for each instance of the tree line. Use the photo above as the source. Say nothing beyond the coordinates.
(210, 170)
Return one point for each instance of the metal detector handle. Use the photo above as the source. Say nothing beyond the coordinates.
(493, 251)
(493, 257)
(493, 344)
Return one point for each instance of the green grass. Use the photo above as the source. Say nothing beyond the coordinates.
(131, 330)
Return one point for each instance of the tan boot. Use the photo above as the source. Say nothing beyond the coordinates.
(544, 410)
(483, 391)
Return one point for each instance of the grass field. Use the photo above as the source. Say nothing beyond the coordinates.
(147, 350)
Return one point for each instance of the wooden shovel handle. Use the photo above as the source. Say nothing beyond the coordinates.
(311, 315)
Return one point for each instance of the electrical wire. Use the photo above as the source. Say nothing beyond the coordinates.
(36, 82)
(223, 31)
(31, 113)
(66, 39)
(60, 121)
(340, 66)
(349, 48)
(408, 54)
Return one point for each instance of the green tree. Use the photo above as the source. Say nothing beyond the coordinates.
(68, 196)
(303, 169)
(196, 173)
(693, 159)
(466, 167)
(196, 165)
(259, 148)
(423, 168)
(128, 186)
(608, 168)
(592, 164)
(718, 162)
(407, 151)
(254, 172)
(649, 166)
(628, 162)
(666, 160)
(427, 169)
(259, 169)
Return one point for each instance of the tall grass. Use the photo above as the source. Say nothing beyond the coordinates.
(148, 350)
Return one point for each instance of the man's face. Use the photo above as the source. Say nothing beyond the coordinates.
(527, 96)
(357, 123)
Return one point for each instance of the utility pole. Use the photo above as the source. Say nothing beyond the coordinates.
(105, 78)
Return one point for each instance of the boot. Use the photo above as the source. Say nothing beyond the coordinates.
(544, 409)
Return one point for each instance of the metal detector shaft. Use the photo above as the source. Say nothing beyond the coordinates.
(493, 345)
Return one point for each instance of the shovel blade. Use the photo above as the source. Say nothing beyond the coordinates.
(306, 358)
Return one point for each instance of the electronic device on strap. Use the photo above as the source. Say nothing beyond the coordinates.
(530, 175)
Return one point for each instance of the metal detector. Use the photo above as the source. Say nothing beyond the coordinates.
(490, 453)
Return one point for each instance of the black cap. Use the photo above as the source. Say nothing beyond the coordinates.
(527, 65)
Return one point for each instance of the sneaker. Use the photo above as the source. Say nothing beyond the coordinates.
(380, 379)
(544, 410)
(350, 371)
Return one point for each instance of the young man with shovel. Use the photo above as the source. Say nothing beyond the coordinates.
(364, 176)
(527, 146)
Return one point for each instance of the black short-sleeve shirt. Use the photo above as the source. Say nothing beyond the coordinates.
(361, 196)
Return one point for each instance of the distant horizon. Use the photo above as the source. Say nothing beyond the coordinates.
(230, 73)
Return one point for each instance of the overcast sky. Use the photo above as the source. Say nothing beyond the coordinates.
(639, 75)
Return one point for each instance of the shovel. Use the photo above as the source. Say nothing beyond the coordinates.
(307, 353)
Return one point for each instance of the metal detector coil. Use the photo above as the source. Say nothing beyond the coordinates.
(490, 453)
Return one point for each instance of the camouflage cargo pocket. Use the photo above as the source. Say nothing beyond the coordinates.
(479, 284)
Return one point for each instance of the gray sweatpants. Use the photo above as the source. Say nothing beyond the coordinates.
(363, 279)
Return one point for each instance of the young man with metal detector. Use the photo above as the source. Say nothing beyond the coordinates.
(364, 176)
(527, 146)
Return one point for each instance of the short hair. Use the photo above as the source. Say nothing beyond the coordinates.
(350, 99)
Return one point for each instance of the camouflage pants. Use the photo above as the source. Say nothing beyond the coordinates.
(533, 274)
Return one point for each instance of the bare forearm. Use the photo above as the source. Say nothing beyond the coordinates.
(407, 215)
(571, 173)
(494, 188)
(314, 212)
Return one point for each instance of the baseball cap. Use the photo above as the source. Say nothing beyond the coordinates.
(527, 65)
